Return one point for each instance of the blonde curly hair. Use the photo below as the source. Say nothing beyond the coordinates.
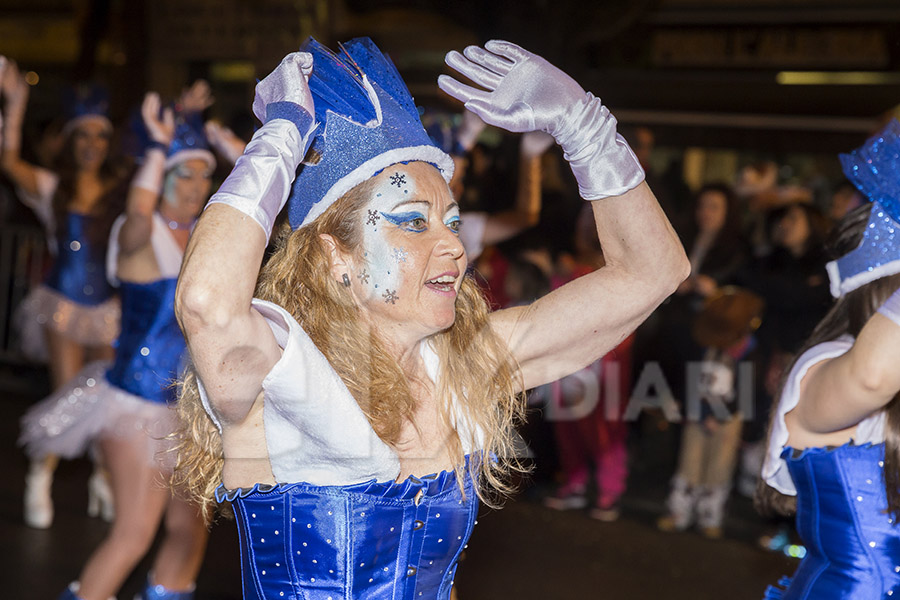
(477, 367)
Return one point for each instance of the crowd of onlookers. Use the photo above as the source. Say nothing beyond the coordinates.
(708, 362)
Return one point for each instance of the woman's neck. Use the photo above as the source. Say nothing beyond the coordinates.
(87, 191)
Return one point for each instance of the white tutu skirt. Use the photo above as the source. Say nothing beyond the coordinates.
(44, 307)
(88, 409)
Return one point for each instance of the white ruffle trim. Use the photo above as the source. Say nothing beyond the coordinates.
(775, 470)
(44, 307)
(67, 422)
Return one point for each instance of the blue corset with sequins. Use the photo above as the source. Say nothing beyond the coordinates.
(150, 348)
(363, 541)
(853, 546)
(79, 272)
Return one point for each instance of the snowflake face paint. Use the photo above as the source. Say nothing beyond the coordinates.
(413, 262)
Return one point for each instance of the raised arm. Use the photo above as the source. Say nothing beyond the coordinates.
(145, 189)
(15, 95)
(839, 393)
(578, 323)
(231, 345)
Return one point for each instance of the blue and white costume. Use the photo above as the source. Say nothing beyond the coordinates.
(134, 392)
(852, 543)
(75, 300)
(338, 525)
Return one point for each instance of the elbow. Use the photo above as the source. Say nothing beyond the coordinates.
(874, 381)
(677, 269)
(196, 308)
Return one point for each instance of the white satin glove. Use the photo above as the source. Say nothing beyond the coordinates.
(523, 92)
(260, 183)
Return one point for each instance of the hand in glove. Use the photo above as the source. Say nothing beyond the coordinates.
(523, 92)
(161, 128)
(284, 93)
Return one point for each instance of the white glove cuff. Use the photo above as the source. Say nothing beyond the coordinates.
(150, 175)
(600, 158)
(260, 182)
(891, 307)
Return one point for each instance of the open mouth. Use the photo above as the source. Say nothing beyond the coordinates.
(445, 284)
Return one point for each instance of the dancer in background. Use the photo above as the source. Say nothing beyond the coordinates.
(352, 408)
(833, 454)
(126, 407)
(75, 313)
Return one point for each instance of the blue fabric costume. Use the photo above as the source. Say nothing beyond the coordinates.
(365, 541)
(853, 545)
(79, 273)
(151, 347)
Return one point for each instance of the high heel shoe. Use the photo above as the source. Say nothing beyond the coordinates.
(38, 505)
(100, 497)
(71, 592)
(158, 592)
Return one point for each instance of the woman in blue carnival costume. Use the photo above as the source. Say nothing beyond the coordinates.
(353, 405)
(833, 453)
(73, 317)
(126, 406)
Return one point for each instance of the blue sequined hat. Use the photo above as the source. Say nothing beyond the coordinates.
(86, 102)
(189, 142)
(874, 168)
(368, 121)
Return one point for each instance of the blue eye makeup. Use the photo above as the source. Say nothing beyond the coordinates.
(454, 223)
(413, 220)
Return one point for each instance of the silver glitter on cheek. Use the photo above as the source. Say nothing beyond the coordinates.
(390, 296)
(399, 254)
(364, 276)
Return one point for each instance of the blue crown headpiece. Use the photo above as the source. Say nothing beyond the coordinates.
(874, 168)
(367, 122)
(189, 142)
(86, 102)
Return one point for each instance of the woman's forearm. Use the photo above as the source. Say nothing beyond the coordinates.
(636, 236)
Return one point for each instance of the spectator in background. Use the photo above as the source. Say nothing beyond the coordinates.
(711, 439)
(791, 278)
(717, 252)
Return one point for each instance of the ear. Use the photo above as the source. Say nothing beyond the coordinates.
(340, 262)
